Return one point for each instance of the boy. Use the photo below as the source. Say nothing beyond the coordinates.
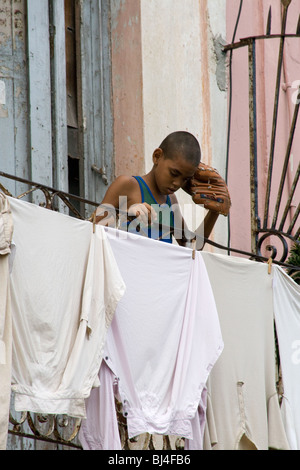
(151, 201)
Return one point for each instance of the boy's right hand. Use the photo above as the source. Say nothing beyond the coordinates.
(144, 212)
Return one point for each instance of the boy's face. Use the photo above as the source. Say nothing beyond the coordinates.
(171, 174)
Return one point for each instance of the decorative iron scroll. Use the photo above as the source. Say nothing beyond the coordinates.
(51, 195)
(62, 430)
(54, 429)
(274, 233)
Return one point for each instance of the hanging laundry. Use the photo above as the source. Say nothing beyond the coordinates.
(65, 286)
(6, 225)
(243, 411)
(6, 232)
(5, 349)
(100, 431)
(287, 319)
(164, 339)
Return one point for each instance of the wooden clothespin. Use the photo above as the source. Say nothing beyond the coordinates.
(270, 260)
(194, 249)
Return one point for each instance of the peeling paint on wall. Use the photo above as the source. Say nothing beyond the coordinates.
(221, 61)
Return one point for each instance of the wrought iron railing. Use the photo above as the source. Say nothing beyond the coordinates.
(52, 196)
(57, 430)
(267, 225)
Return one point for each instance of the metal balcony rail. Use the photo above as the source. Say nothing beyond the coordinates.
(52, 195)
(267, 225)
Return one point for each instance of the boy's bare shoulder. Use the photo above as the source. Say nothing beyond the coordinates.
(123, 185)
(125, 181)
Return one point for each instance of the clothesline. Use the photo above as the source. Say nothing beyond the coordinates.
(188, 233)
(191, 235)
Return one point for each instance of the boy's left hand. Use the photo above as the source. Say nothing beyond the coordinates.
(209, 189)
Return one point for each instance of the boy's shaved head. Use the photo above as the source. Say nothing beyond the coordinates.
(184, 143)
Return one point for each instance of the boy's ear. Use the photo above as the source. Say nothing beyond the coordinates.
(157, 155)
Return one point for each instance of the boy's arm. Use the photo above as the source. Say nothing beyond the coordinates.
(122, 198)
(106, 213)
(209, 189)
(205, 228)
(180, 226)
(182, 233)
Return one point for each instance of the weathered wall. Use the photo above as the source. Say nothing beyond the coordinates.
(184, 81)
(127, 86)
(26, 107)
(14, 91)
(35, 133)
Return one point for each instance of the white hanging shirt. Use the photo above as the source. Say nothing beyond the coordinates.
(243, 409)
(65, 285)
(286, 297)
(165, 336)
(100, 430)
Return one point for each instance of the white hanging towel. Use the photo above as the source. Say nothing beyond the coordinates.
(65, 286)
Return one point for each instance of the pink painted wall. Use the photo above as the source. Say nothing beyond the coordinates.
(127, 84)
(253, 21)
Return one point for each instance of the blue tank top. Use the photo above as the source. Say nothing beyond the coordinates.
(162, 229)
